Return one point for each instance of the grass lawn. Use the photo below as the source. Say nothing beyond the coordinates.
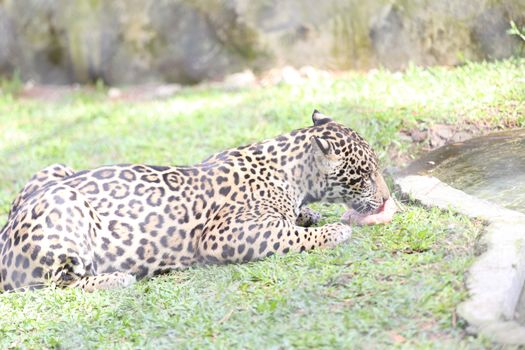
(395, 285)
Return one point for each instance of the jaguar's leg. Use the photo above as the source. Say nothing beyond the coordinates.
(307, 217)
(104, 281)
(248, 238)
(42, 178)
(51, 240)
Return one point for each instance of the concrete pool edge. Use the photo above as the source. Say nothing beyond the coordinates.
(496, 278)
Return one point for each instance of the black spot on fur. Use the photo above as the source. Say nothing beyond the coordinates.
(37, 272)
(225, 190)
(248, 256)
(158, 168)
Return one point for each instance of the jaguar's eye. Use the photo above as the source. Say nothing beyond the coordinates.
(368, 180)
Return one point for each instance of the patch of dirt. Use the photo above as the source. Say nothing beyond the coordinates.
(143, 92)
(246, 79)
(442, 134)
(425, 139)
(51, 92)
(137, 93)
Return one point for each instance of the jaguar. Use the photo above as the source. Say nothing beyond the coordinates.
(106, 227)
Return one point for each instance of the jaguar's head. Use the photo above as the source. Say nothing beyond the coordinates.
(348, 165)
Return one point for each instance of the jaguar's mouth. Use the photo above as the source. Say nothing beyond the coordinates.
(365, 208)
(381, 215)
(381, 208)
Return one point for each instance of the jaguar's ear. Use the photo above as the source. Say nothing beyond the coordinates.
(324, 155)
(319, 118)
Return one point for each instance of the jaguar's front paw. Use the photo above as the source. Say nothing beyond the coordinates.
(307, 217)
(339, 233)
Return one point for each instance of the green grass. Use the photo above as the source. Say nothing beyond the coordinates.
(394, 285)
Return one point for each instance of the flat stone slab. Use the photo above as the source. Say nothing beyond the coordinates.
(496, 278)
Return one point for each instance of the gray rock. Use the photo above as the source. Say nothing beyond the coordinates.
(390, 39)
(490, 32)
(419, 135)
(240, 80)
(443, 130)
(7, 36)
(187, 41)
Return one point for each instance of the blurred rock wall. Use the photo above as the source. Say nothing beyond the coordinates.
(186, 41)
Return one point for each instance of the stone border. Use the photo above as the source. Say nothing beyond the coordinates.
(497, 277)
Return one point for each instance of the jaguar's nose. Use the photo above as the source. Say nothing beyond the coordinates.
(356, 206)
